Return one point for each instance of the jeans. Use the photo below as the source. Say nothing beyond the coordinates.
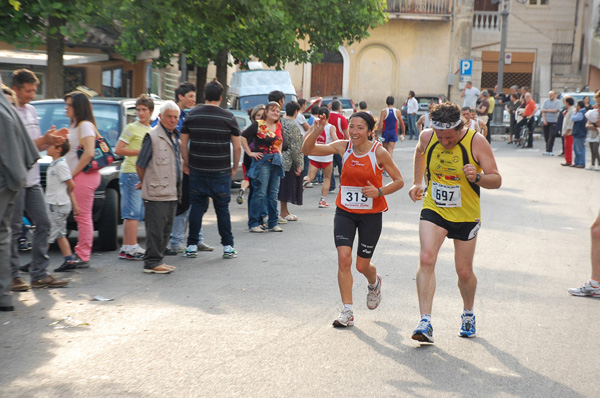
(337, 162)
(132, 205)
(412, 126)
(179, 227)
(579, 149)
(550, 136)
(266, 189)
(85, 187)
(216, 186)
(31, 199)
(6, 212)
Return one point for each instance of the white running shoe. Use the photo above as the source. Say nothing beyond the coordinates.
(191, 251)
(586, 290)
(345, 319)
(374, 295)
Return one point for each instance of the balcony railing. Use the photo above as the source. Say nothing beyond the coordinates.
(419, 8)
(489, 21)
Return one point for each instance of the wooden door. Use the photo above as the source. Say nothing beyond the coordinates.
(326, 80)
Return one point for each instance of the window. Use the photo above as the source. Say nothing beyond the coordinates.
(538, 2)
(111, 82)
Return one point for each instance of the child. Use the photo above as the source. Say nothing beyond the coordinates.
(59, 200)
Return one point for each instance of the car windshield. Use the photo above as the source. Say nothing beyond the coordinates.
(346, 104)
(108, 119)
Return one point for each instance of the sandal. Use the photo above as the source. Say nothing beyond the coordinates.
(291, 217)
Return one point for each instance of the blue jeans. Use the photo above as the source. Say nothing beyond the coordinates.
(337, 162)
(216, 186)
(265, 189)
(132, 205)
(579, 149)
(178, 231)
(412, 126)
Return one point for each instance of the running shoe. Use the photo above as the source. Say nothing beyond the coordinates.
(230, 254)
(323, 204)
(374, 295)
(122, 255)
(468, 326)
(345, 319)
(191, 251)
(240, 197)
(423, 332)
(586, 290)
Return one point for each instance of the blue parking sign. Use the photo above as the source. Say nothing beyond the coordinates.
(466, 67)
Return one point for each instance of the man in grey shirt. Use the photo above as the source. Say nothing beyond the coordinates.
(550, 109)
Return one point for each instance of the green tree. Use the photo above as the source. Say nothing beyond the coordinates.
(274, 31)
(30, 23)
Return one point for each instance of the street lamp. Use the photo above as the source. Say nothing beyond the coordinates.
(504, 14)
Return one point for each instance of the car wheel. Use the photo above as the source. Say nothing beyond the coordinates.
(109, 221)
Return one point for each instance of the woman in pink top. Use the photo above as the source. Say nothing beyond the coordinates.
(82, 132)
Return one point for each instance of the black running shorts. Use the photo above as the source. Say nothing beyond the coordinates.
(345, 225)
(456, 230)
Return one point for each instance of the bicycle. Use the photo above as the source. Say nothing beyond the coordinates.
(524, 140)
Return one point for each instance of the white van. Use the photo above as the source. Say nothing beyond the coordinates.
(252, 87)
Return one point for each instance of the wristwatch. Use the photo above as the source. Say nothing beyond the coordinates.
(478, 177)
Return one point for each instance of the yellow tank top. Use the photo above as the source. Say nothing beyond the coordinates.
(449, 193)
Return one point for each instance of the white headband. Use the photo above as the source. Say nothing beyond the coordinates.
(444, 126)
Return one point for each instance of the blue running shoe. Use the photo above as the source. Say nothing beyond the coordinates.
(232, 253)
(191, 251)
(423, 332)
(468, 326)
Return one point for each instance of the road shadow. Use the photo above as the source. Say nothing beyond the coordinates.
(438, 367)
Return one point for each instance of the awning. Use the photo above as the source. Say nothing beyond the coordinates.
(41, 58)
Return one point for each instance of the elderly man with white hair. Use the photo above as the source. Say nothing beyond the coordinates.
(159, 167)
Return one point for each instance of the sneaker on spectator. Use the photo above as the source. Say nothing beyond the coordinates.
(257, 229)
(323, 204)
(240, 197)
(586, 290)
(191, 251)
(468, 326)
(203, 247)
(49, 281)
(423, 332)
(230, 253)
(276, 228)
(374, 295)
(19, 285)
(79, 263)
(66, 266)
(345, 319)
(23, 245)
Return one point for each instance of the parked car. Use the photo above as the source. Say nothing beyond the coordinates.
(423, 101)
(348, 107)
(243, 121)
(112, 115)
(578, 96)
(252, 87)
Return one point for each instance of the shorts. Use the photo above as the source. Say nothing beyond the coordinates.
(456, 230)
(320, 165)
(57, 214)
(389, 136)
(132, 205)
(369, 225)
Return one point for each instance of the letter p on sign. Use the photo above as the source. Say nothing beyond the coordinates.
(466, 67)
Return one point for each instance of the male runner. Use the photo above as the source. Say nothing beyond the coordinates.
(458, 163)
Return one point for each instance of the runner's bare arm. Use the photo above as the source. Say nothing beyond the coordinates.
(310, 146)
(482, 153)
(416, 191)
(401, 123)
(384, 160)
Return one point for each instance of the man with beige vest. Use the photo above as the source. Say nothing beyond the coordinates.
(159, 167)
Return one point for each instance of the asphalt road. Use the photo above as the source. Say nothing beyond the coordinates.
(260, 325)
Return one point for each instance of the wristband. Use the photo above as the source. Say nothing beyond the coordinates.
(380, 192)
(478, 177)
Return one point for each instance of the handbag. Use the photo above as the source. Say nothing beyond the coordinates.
(103, 155)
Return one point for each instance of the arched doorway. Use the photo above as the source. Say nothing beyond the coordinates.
(327, 76)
